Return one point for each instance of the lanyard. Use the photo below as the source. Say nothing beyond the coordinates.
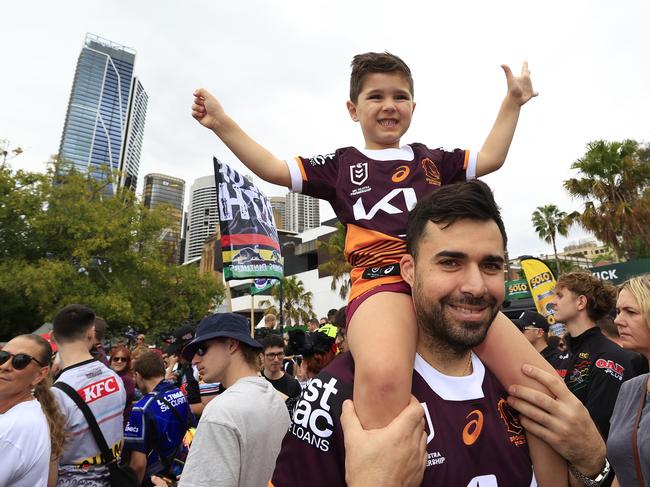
(635, 449)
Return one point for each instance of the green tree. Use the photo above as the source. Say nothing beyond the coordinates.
(613, 182)
(296, 302)
(550, 221)
(64, 240)
(337, 265)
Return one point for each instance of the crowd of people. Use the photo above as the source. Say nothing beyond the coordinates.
(419, 380)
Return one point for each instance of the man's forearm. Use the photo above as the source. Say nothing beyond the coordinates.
(255, 157)
(495, 148)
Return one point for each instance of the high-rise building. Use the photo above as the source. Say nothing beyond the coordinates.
(301, 212)
(202, 216)
(279, 204)
(104, 124)
(166, 190)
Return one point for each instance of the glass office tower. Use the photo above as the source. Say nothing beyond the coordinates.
(104, 124)
(160, 189)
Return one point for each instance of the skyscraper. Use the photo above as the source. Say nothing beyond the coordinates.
(166, 190)
(104, 124)
(279, 204)
(301, 212)
(202, 216)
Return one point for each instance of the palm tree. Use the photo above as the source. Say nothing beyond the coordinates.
(296, 302)
(549, 221)
(613, 182)
(337, 265)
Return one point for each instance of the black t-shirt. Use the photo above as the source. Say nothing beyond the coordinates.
(594, 369)
(552, 356)
(286, 384)
(474, 437)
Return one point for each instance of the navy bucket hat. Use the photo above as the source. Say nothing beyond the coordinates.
(220, 325)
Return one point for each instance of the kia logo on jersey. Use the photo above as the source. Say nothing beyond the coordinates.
(99, 389)
(359, 173)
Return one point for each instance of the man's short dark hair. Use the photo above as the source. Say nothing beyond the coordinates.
(376, 62)
(72, 322)
(100, 328)
(331, 313)
(471, 200)
(601, 295)
(149, 365)
(272, 341)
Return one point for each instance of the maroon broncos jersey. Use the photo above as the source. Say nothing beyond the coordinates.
(474, 437)
(372, 198)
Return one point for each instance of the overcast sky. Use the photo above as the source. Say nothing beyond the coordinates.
(281, 70)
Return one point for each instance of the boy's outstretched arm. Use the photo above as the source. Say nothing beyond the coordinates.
(495, 149)
(209, 113)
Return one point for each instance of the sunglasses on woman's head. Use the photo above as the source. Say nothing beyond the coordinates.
(120, 359)
(19, 360)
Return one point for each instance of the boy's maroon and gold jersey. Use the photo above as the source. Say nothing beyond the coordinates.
(473, 437)
(372, 193)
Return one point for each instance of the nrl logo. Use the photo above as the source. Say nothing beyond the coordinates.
(359, 173)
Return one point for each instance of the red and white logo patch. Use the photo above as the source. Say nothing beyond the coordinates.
(611, 368)
(99, 389)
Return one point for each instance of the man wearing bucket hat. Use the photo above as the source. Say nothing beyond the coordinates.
(240, 431)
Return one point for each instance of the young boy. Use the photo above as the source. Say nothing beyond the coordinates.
(372, 191)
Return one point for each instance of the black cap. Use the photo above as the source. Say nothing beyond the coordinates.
(531, 318)
(181, 337)
(220, 325)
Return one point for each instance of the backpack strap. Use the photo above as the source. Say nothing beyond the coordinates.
(90, 419)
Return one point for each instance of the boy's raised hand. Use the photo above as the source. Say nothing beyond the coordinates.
(520, 88)
(206, 109)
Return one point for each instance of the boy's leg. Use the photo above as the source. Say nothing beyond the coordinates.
(504, 351)
(382, 337)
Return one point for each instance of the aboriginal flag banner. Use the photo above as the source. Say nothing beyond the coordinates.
(541, 284)
(249, 239)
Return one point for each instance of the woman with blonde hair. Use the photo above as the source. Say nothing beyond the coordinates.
(628, 445)
(31, 426)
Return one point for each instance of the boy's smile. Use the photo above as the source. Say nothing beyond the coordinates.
(384, 109)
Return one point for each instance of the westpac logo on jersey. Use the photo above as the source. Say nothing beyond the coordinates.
(386, 204)
(99, 389)
(312, 419)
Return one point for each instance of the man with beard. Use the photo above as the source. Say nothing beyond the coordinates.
(454, 264)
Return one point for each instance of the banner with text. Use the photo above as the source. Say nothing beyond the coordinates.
(249, 239)
(541, 284)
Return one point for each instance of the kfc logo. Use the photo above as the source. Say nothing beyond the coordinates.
(99, 389)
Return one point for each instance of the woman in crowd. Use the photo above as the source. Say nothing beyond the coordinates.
(121, 364)
(31, 426)
(628, 445)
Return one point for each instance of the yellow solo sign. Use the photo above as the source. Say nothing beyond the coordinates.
(541, 283)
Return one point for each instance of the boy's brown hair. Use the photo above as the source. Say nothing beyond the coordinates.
(601, 295)
(375, 62)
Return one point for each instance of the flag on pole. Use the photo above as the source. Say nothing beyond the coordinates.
(249, 239)
(262, 284)
(541, 284)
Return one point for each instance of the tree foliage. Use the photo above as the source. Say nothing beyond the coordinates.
(64, 240)
(613, 182)
(337, 265)
(549, 221)
(297, 303)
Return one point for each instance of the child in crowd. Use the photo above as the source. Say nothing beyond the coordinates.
(372, 190)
